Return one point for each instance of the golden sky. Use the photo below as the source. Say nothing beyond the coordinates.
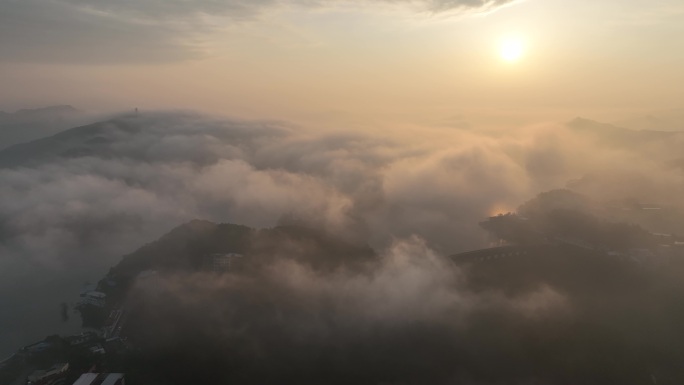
(422, 61)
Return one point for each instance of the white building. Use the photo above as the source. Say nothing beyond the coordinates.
(101, 379)
(94, 298)
(224, 262)
(44, 376)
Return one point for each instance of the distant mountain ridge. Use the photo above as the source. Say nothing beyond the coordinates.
(611, 135)
(618, 134)
(95, 139)
(30, 124)
(32, 112)
(75, 142)
(664, 120)
(187, 247)
(149, 137)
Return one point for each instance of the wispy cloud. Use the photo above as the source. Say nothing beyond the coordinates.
(96, 31)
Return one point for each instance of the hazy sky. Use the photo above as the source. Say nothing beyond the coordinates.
(435, 61)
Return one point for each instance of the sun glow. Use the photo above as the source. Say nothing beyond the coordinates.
(511, 49)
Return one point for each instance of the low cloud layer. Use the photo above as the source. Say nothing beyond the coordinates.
(410, 316)
(93, 31)
(111, 186)
(74, 203)
(407, 317)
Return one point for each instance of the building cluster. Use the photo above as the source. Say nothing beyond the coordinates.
(101, 379)
(45, 362)
(53, 376)
(224, 261)
(57, 375)
(493, 253)
(93, 298)
(96, 343)
(668, 240)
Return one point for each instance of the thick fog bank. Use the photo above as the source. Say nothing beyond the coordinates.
(78, 200)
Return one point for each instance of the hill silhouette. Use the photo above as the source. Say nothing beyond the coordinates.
(31, 124)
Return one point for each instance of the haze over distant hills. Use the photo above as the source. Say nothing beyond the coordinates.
(30, 124)
(670, 120)
(612, 135)
(164, 158)
(39, 133)
(72, 143)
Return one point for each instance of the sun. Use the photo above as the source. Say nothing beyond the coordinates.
(511, 49)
